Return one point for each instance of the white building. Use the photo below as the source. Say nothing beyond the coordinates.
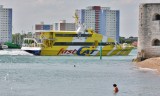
(5, 24)
(63, 26)
(101, 19)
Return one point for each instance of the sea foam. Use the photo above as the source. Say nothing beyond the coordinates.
(147, 69)
(13, 52)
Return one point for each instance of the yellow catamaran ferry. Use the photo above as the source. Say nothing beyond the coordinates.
(81, 42)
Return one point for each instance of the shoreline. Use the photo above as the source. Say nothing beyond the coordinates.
(151, 63)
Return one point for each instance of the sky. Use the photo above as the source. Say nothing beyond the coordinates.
(27, 13)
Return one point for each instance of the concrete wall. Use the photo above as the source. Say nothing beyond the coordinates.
(149, 29)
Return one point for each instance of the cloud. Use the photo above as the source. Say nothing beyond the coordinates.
(149, 1)
(26, 13)
(40, 1)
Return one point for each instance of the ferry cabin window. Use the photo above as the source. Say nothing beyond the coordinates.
(28, 41)
(73, 35)
(82, 43)
(106, 43)
(73, 44)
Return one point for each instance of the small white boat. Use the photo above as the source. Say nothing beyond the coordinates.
(4, 47)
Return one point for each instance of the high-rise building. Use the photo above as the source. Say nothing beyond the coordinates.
(5, 24)
(63, 26)
(101, 19)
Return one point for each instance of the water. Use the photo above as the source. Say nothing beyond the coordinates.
(22, 74)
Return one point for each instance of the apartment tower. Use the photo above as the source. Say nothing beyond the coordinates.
(5, 24)
(102, 20)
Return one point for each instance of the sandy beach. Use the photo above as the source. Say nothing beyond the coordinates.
(152, 63)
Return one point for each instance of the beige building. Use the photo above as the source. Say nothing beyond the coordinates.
(63, 26)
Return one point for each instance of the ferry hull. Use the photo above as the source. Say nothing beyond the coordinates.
(85, 51)
(54, 53)
(34, 52)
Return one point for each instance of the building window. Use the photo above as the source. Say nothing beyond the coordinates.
(156, 17)
(156, 42)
